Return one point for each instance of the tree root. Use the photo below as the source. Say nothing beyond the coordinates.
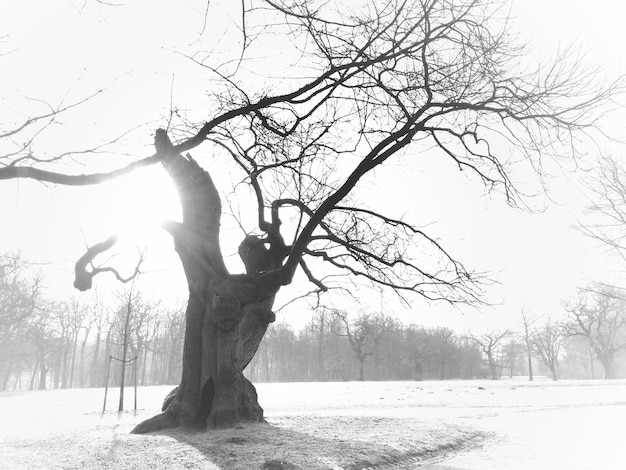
(164, 420)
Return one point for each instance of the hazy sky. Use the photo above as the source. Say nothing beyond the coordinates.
(65, 51)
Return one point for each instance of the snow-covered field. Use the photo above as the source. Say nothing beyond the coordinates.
(512, 424)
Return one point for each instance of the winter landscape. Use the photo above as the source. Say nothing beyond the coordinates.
(312, 234)
(511, 423)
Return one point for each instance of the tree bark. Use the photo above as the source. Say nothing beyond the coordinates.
(227, 315)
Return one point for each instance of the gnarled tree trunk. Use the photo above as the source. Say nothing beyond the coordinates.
(227, 315)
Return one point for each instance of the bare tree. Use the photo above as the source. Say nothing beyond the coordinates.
(488, 343)
(364, 334)
(20, 298)
(418, 351)
(607, 209)
(435, 76)
(599, 315)
(41, 333)
(547, 341)
(527, 334)
(320, 328)
(441, 345)
(512, 352)
(99, 316)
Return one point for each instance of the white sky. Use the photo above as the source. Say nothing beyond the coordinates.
(60, 51)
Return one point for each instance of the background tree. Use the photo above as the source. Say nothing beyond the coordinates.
(364, 334)
(41, 334)
(416, 339)
(606, 187)
(20, 298)
(440, 75)
(470, 358)
(527, 323)
(547, 341)
(512, 352)
(319, 329)
(441, 344)
(488, 343)
(599, 315)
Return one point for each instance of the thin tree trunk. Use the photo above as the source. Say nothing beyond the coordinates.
(42, 371)
(93, 379)
(33, 375)
(361, 366)
(73, 367)
(493, 370)
(5, 381)
(107, 353)
(144, 365)
(321, 373)
(83, 380)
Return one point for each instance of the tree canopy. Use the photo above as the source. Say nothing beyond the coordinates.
(370, 83)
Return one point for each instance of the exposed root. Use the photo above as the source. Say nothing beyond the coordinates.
(164, 420)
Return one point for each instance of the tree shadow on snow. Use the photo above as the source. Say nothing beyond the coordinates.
(307, 442)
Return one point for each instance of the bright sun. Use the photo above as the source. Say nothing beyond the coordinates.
(140, 203)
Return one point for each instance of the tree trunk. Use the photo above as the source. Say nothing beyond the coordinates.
(419, 374)
(226, 315)
(493, 368)
(608, 364)
(33, 375)
(321, 373)
(144, 365)
(530, 368)
(213, 390)
(5, 380)
(94, 363)
(107, 354)
(554, 372)
(42, 368)
(83, 379)
(73, 366)
(361, 366)
(58, 365)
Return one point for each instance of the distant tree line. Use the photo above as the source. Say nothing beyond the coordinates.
(590, 343)
(371, 346)
(50, 344)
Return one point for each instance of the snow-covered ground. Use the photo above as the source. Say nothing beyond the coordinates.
(512, 424)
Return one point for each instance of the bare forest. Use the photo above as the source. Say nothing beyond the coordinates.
(50, 344)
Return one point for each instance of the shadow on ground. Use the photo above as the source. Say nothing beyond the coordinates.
(350, 443)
